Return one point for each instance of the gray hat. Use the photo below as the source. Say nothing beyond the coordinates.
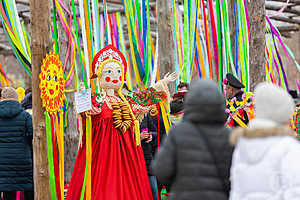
(9, 93)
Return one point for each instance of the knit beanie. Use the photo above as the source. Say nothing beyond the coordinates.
(273, 103)
(9, 93)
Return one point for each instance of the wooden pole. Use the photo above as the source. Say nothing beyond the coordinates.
(165, 39)
(257, 42)
(39, 47)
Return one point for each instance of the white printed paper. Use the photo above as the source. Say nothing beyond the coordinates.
(83, 101)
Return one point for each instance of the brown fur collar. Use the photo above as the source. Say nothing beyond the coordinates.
(259, 133)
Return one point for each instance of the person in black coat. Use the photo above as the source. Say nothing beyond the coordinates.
(195, 158)
(16, 168)
(152, 134)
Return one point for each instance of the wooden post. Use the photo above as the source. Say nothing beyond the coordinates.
(257, 42)
(40, 42)
(165, 39)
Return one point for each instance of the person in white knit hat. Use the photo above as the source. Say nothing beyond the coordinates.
(265, 164)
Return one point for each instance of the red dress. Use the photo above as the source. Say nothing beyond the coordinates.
(118, 166)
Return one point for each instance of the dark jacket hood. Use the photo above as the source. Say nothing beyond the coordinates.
(27, 101)
(10, 108)
(205, 103)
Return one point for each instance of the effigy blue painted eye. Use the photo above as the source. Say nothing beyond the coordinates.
(109, 71)
(119, 71)
(48, 77)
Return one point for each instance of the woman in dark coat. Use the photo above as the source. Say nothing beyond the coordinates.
(16, 170)
(195, 158)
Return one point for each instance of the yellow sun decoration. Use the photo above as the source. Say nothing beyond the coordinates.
(52, 83)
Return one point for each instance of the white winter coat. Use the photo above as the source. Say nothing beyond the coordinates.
(265, 164)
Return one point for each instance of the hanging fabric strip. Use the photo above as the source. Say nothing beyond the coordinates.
(133, 47)
(55, 157)
(165, 115)
(13, 37)
(15, 21)
(203, 46)
(87, 15)
(282, 74)
(279, 11)
(64, 23)
(123, 48)
(50, 157)
(60, 144)
(186, 39)
(274, 31)
(269, 60)
(176, 54)
(193, 40)
(115, 30)
(215, 39)
(288, 52)
(83, 71)
(109, 23)
(26, 36)
(234, 2)
(102, 31)
(181, 34)
(207, 41)
(298, 85)
(279, 74)
(84, 38)
(54, 27)
(268, 78)
(292, 56)
(219, 30)
(148, 52)
(105, 22)
(197, 64)
(200, 56)
(89, 158)
(155, 69)
(95, 15)
(19, 27)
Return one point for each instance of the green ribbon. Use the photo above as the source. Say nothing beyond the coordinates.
(86, 166)
(149, 56)
(185, 42)
(219, 36)
(50, 157)
(55, 28)
(78, 45)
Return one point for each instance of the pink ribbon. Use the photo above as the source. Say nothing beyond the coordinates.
(281, 10)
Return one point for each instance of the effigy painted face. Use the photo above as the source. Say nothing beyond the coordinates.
(111, 76)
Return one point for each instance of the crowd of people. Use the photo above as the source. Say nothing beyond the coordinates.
(16, 153)
(234, 145)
